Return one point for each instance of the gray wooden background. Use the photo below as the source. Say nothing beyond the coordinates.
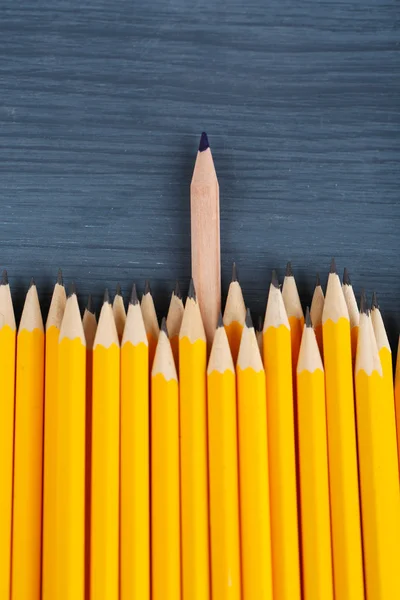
(102, 105)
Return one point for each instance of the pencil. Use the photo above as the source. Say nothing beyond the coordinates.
(193, 452)
(150, 321)
(70, 481)
(352, 308)
(397, 400)
(119, 312)
(342, 448)
(313, 470)
(259, 336)
(281, 447)
(205, 235)
(255, 529)
(28, 452)
(316, 309)
(104, 572)
(223, 470)
(7, 378)
(174, 320)
(379, 483)
(165, 512)
(89, 328)
(234, 314)
(53, 325)
(135, 467)
(295, 314)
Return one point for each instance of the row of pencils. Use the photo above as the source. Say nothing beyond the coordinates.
(137, 463)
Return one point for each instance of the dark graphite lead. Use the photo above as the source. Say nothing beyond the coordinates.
(220, 322)
(164, 326)
(317, 280)
(89, 306)
(374, 303)
(203, 142)
(308, 318)
(275, 280)
(60, 277)
(192, 291)
(248, 320)
(289, 270)
(234, 272)
(72, 289)
(134, 297)
(346, 277)
(106, 296)
(333, 266)
(177, 290)
(118, 291)
(363, 304)
(147, 288)
(4, 279)
(32, 283)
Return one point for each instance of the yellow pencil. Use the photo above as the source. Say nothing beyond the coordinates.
(89, 328)
(7, 378)
(313, 470)
(165, 513)
(70, 482)
(53, 325)
(352, 308)
(135, 467)
(119, 312)
(316, 309)
(174, 320)
(28, 453)
(379, 482)
(104, 548)
(281, 448)
(342, 449)
(193, 452)
(295, 314)
(255, 529)
(234, 314)
(397, 400)
(223, 470)
(150, 322)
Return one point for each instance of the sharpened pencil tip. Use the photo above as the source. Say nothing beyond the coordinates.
(346, 277)
(164, 326)
(234, 272)
(363, 303)
(203, 142)
(4, 279)
(248, 321)
(72, 289)
(89, 305)
(317, 280)
(220, 322)
(134, 297)
(118, 291)
(177, 290)
(147, 288)
(32, 283)
(308, 317)
(192, 291)
(274, 279)
(260, 324)
(374, 303)
(289, 270)
(333, 266)
(106, 296)
(60, 277)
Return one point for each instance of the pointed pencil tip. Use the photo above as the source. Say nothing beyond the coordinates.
(118, 291)
(177, 290)
(374, 303)
(333, 266)
(164, 326)
(346, 277)
(220, 322)
(192, 291)
(32, 283)
(234, 272)
(147, 288)
(60, 277)
(248, 320)
(289, 270)
(89, 305)
(106, 296)
(203, 142)
(308, 317)
(363, 303)
(275, 280)
(134, 297)
(72, 289)
(4, 278)
(317, 280)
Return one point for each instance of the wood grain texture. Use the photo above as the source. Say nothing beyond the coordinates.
(102, 105)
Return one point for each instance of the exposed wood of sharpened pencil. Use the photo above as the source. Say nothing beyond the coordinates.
(119, 312)
(223, 470)
(295, 314)
(28, 452)
(7, 379)
(342, 448)
(205, 235)
(234, 314)
(165, 501)
(193, 452)
(70, 457)
(150, 321)
(104, 573)
(135, 467)
(313, 470)
(53, 326)
(174, 320)
(352, 307)
(255, 528)
(378, 468)
(316, 309)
